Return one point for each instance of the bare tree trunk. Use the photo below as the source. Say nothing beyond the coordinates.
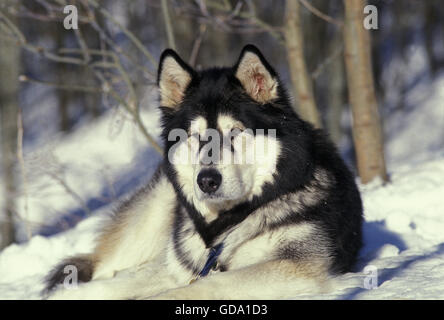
(367, 133)
(336, 91)
(63, 96)
(302, 85)
(9, 72)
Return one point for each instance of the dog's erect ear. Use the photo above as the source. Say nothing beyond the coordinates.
(173, 78)
(256, 76)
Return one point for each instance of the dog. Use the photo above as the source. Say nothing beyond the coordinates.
(214, 223)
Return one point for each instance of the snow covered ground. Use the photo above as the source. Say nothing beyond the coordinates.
(403, 255)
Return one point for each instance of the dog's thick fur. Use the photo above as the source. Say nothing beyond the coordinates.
(286, 225)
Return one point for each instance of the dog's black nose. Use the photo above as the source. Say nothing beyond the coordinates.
(209, 180)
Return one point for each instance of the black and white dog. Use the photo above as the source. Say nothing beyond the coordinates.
(249, 202)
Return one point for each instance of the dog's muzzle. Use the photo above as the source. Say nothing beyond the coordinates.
(209, 180)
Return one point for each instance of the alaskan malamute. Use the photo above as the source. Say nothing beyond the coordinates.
(249, 202)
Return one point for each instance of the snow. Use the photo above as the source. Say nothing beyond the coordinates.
(404, 220)
(416, 131)
(104, 158)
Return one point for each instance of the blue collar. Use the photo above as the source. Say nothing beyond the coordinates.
(212, 259)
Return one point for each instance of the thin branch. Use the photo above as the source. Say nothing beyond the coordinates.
(50, 17)
(335, 54)
(132, 108)
(227, 4)
(131, 104)
(236, 10)
(42, 51)
(82, 44)
(168, 25)
(246, 15)
(45, 5)
(106, 89)
(119, 50)
(128, 33)
(13, 27)
(68, 87)
(320, 14)
(197, 44)
(70, 191)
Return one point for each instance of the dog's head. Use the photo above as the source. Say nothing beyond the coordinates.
(221, 128)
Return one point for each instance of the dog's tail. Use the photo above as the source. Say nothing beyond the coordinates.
(78, 268)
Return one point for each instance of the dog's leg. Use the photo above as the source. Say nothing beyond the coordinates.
(138, 234)
(268, 280)
(146, 281)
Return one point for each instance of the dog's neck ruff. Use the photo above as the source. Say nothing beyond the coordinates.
(212, 232)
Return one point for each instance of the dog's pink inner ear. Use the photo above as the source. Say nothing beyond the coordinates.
(173, 82)
(255, 78)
